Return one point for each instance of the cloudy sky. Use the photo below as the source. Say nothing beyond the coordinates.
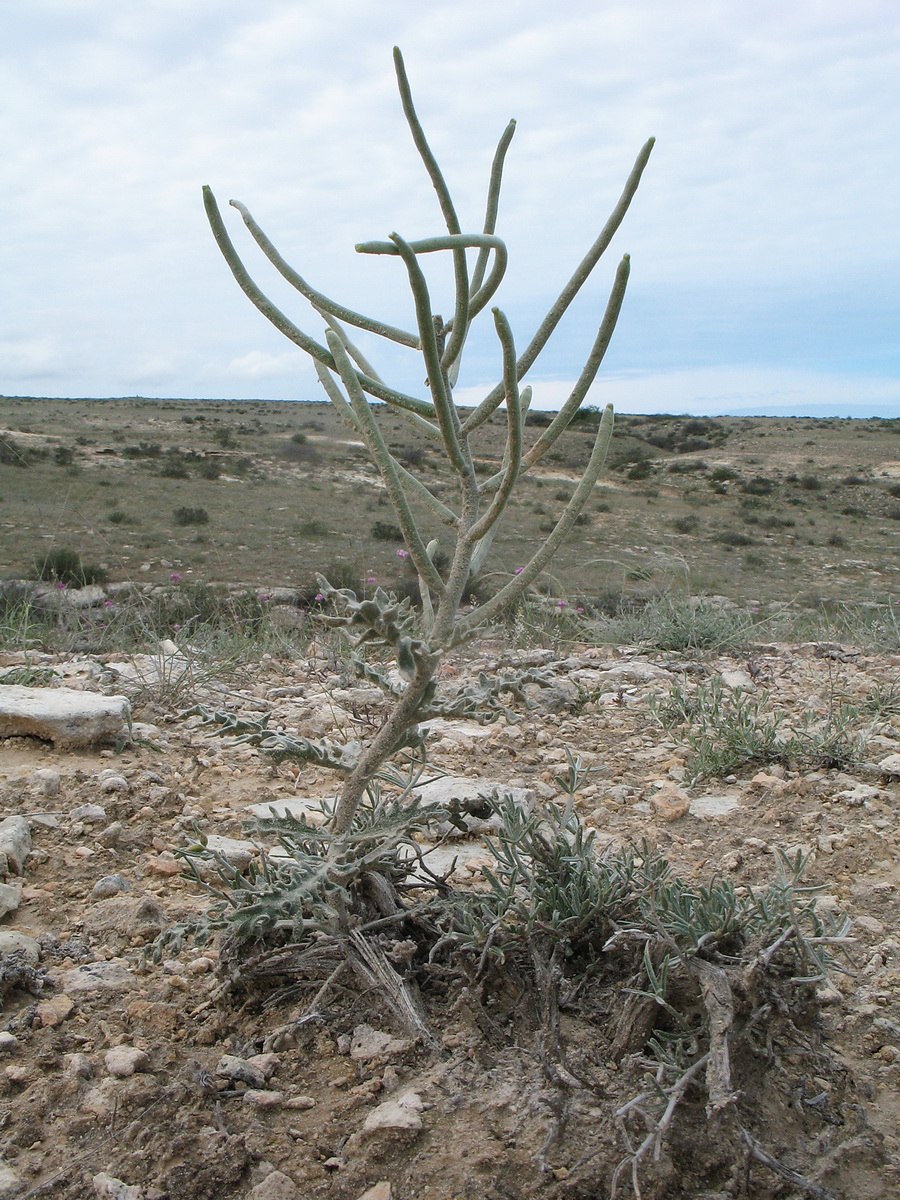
(764, 239)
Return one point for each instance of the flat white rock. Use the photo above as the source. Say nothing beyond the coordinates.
(109, 976)
(713, 806)
(62, 716)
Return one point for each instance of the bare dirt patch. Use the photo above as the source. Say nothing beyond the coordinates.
(113, 1063)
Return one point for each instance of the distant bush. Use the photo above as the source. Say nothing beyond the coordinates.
(190, 516)
(731, 537)
(683, 468)
(722, 474)
(640, 470)
(758, 486)
(893, 489)
(62, 565)
(64, 456)
(142, 450)
(174, 465)
(118, 517)
(411, 456)
(381, 531)
(689, 524)
(856, 480)
(13, 455)
(300, 452)
(810, 483)
(211, 469)
(538, 418)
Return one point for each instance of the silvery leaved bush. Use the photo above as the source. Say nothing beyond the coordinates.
(352, 384)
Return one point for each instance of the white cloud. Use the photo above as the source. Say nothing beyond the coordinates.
(714, 390)
(770, 171)
(258, 365)
(153, 369)
(23, 358)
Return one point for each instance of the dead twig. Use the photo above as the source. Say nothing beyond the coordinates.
(658, 1126)
(794, 1177)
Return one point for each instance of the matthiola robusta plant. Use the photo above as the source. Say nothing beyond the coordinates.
(352, 383)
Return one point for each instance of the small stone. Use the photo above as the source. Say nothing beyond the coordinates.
(11, 1183)
(163, 865)
(10, 897)
(263, 1098)
(267, 1063)
(738, 681)
(106, 1187)
(239, 1070)
(394, 1116)
(670, 803)
(111, 835)
(828, 995)
(89, 813)
(14, 942)
(367, 1042)
(870, 924)
(15, 845)
(78, 1065)
(200, 966)
(114, 783)
(300, 1102)
(890, 766)
(47, 781)
(55, 1010)
(21, 1076)
(110, 885)
(275, 1186)
(9, 1043)
(109, 976)
(378, 1191)
(124, 1061)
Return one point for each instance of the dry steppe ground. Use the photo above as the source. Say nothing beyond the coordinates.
(204, 1071)
(116, 1066)
(751, 508)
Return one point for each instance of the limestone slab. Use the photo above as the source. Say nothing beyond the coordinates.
(63, 716)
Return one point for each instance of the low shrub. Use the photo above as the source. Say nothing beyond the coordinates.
(731, 537)
(758, 486)
(689, 524)
(382, 531)
(63, 565)
(190, 516)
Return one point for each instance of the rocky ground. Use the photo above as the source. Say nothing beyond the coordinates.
(139, 1080)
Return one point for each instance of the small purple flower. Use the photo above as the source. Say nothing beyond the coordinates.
(401, 553)
(107, 603)
(370, 579)
(319, 596)
(175, 577)
(176, 626)
(518, 570)
(60, 584)
(579, 609)
(262, 597)
(562, 604)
